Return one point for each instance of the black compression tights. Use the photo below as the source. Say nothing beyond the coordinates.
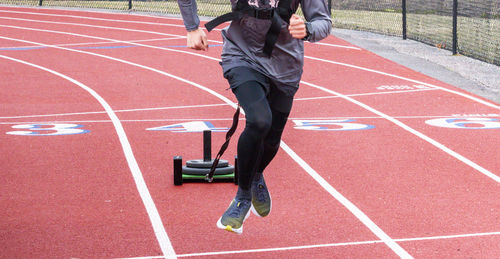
(259, 141)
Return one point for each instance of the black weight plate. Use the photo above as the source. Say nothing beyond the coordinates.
(204, 171)
(177, 170)
(200, 163)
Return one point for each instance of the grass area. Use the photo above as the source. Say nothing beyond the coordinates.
(116, 5)
(381, 22)
(478, 37)
(20, 2)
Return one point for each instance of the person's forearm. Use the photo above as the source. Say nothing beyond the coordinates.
(318, 15)
(321, 30)
(189, 14)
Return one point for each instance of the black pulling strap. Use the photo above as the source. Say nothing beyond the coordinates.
(210, 176)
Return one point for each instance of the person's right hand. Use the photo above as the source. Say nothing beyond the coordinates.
(197, 39)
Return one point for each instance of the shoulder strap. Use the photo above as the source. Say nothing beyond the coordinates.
(222, 19)
(285, 10)
(237, 12)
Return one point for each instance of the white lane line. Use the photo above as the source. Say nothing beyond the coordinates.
(117, 111)
(414, 132)
(334, 45)
(356, 212)
(90, 43)
(107, 13)
(348, 204)
(355, 243)
(398, 117)
(451, 91)
(144, 31)
(207, 105)
(407, 79)
(90, 25)
(308, 57)
(400, 124)
(113, 40)
(153, 214)
(97, 19)
(366, 94)
(241, 119)
(152, 23)
(108, 121)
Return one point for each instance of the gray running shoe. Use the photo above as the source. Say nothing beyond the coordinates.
(237, 212)
(261, 199)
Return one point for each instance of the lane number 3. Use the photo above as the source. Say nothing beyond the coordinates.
(55, 129)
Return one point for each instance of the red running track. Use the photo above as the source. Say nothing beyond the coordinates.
(377, 161)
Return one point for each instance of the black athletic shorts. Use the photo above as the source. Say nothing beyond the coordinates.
(280, 97)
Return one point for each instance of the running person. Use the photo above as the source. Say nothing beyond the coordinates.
(264, 75)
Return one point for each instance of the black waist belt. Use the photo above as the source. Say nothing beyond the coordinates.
(243, 8)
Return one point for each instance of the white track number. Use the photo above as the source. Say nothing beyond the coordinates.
(330, 125)
(47, 129)
(465, 123)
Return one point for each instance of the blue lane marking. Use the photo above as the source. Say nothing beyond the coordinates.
(23, 48)
(102, 47)
(184, 46)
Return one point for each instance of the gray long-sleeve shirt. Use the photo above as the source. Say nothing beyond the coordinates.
(244, 40)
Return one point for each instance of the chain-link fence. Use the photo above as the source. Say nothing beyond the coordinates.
(479, 30)
(477, 22)
(477, 26)
(375, 16)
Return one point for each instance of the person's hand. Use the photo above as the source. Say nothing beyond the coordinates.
(197, 39)
(297, 27)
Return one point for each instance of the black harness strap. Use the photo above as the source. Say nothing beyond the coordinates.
(284, 10)
(210, 176)
(222, 19)
(272, 36)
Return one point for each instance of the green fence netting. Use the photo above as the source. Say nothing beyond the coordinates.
(478, 26)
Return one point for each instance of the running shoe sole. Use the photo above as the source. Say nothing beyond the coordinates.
(231, 229)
